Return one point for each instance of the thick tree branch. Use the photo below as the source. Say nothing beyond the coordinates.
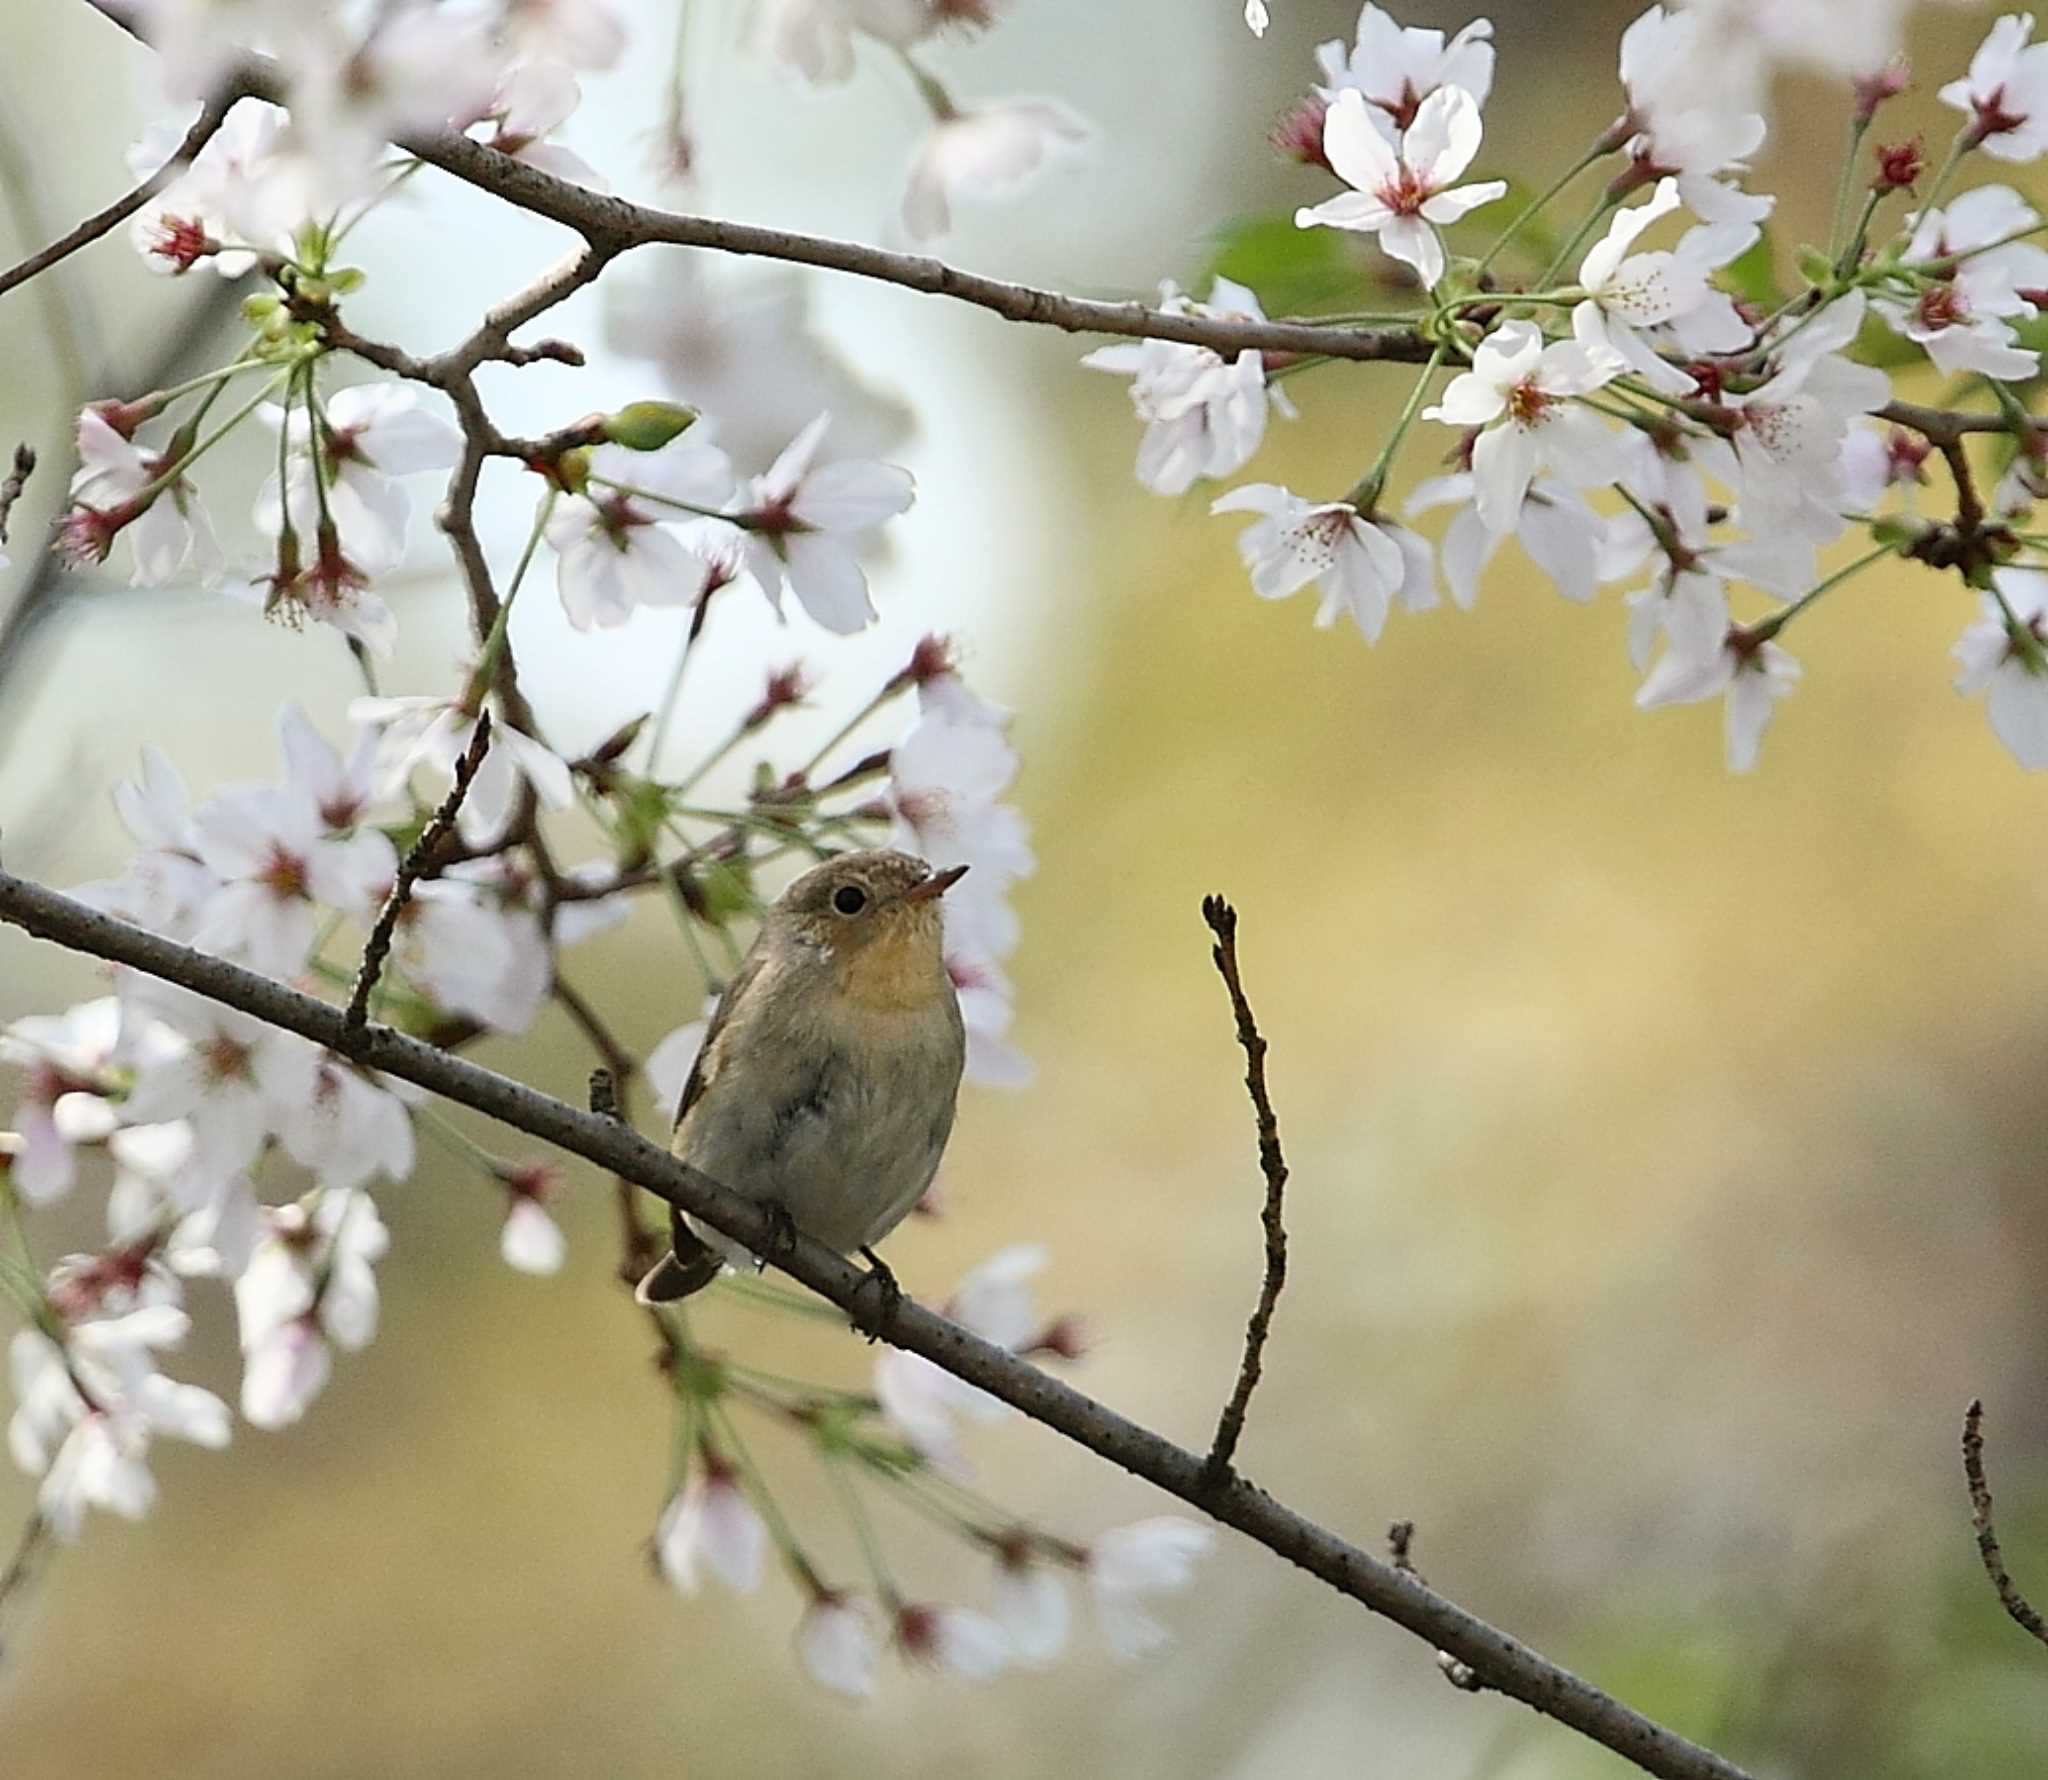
(2023, 1612)
(1222, 920)
(1500, 1661)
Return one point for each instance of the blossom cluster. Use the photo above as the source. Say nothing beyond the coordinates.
(1736, 432)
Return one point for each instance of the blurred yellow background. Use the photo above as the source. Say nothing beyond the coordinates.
(1667, 1174)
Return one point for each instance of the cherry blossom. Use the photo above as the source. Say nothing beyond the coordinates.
(922, 1400)
(66, 1095)
(1683, 128)
(1789, 432)
(1030, 1604)
(222, 1079)
(530, 1240)
(955, 1640)
(836, 1644)
(309, 1284)
(614, 554)
(370, 435)
(418, 731)
(127, 491)
(166, 885)
(801, 522)
(1960, 318)
(226, 203)
(1521, 392)
(1204, 415)
(87, 1411)
(1362, 564)
(1146, 1558)
(1628, 295)
(986, 151)
(275, 860)
(533, 101)
(582, 33)
(1560, 533)
(710, 1525)
(1395, 67)
(2008, 660)
(2006, 91)
(1753, 675)
(1257, 17)
(1403, 194)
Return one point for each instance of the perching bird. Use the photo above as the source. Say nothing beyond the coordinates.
(826, 1080)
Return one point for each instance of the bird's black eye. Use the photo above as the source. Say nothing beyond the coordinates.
(849, 899)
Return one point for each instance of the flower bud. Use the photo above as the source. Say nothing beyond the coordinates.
(1899, 164)
(1873, 89)
(1297, 133)
(648, 426)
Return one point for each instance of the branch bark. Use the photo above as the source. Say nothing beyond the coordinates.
(1222, 920)
(1497, 1659)
(2022, 1611)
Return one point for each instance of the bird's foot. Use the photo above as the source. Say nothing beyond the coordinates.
(888, 1295)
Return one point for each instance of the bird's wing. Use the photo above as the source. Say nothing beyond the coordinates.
(711, 1054)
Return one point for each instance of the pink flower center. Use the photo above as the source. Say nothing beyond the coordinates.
(1943, 306)
(224, 1059)
(1528, 405)
(284, 875)
(1407, 192)
(180, 242)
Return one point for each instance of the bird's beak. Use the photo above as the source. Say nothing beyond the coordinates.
(935, 885)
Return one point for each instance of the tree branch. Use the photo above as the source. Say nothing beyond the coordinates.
(17, 480)
(417, 858)
(1222, 920)
(103, 222)
(2022, 1611)
(1500, 1661)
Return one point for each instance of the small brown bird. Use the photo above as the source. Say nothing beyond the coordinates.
(826, 1081)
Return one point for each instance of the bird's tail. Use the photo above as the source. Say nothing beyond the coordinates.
(688, 1267)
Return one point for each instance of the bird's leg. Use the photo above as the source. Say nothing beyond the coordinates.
(888, 1294)
(781, 1230)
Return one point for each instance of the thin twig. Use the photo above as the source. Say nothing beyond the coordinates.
(1502, 1661)
(417, 858)
(32, 1553)
(1222, 920)
(17, 480)
(619, 1071)
(2024, 1614)
(1969, 507)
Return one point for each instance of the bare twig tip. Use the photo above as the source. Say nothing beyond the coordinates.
(2022, 1612)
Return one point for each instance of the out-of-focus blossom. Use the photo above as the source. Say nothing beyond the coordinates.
(532, 102)
(436, 733)
(1362, 565)
(986, 151)
(225, 1079)
(1686, 127)
(1204, 415)
(954, 1640)
(65, 1098)
(530, 1240)
(311, 1282)
(1396, 67)
(1403, 193)
(1031, 1604)
(836, 1644)
(1131, 1563)
(2009, 662)
(920, 1399)
(224, 205)
(582, 33)
(86, 1412)
(710, 1525)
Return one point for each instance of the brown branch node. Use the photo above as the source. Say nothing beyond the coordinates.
(1222, 920)
(2022, 1611)
(417, 858)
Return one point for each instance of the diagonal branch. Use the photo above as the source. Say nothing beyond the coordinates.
(417, 858)
(1500, 1661)
(104, 222)
(1222, 920)
(2024, 1614)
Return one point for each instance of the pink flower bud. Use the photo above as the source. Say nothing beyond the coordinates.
(1297, 133)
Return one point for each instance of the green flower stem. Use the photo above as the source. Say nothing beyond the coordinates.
(1607, 205)
(1858, 128)
(1367, 491)
(634, 492)
(863, 1526)
(1848, 262)
(755, 1482)
(1537, 205)
(171, 472)
(1957, 148)
(1763, 632)
(847, 728)
(494, 644)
